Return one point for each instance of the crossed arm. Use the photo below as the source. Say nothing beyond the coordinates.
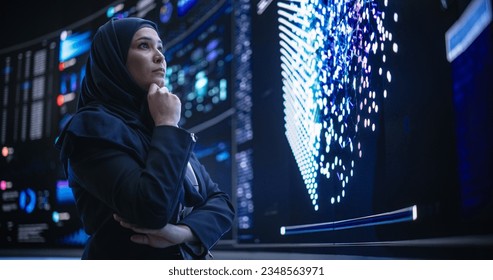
(145, 196)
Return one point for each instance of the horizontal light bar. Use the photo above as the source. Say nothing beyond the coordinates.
(402, 215)
(468, 27)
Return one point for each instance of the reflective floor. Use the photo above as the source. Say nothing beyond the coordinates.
(461, 247)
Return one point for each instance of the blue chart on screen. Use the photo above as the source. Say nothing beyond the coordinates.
(27, 200)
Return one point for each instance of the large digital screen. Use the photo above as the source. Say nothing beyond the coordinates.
(199, 71)
(360, 130)
(36, 208)
(40, 82)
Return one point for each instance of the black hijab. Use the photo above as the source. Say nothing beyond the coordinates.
(111, 106)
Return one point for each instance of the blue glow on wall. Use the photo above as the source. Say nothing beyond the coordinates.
(327, 50)
(75, 45)
(64, 193)
(183, 6)
(78, 238)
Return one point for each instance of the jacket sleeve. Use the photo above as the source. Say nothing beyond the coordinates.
(142, 193)
(210, 220)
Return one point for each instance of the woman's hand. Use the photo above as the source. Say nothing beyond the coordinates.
(164, 106)
(166, 236)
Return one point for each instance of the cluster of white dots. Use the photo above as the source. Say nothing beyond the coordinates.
(327, 52)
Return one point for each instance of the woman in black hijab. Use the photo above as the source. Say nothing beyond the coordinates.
(140, 191)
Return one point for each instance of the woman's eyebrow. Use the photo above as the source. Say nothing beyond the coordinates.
(145, 38)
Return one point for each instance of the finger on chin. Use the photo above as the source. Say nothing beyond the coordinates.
(164, 90)
(153, 88)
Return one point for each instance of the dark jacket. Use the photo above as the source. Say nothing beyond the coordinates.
(106, 179)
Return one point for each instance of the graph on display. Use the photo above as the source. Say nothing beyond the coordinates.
(199, 67)
(333, 53)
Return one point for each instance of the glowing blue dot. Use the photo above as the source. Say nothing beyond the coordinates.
(55, 217)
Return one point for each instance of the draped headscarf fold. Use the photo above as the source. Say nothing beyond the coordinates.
(111, 106)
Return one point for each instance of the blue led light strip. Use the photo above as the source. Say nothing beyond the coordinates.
(402, 215)
(475, 19)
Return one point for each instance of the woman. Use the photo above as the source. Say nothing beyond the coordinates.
(130, 167)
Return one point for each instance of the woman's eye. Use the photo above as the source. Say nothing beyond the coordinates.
(143, 45)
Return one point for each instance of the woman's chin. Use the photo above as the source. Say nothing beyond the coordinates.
(159, 82)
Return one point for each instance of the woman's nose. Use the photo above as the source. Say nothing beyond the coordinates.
(159, 57)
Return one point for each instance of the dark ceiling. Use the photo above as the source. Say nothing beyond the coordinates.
(22, 21)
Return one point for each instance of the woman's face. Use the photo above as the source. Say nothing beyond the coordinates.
(145, 60)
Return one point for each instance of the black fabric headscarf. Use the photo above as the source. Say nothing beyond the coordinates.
(111, 106)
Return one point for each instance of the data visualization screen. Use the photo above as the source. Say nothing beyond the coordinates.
(355, 134)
